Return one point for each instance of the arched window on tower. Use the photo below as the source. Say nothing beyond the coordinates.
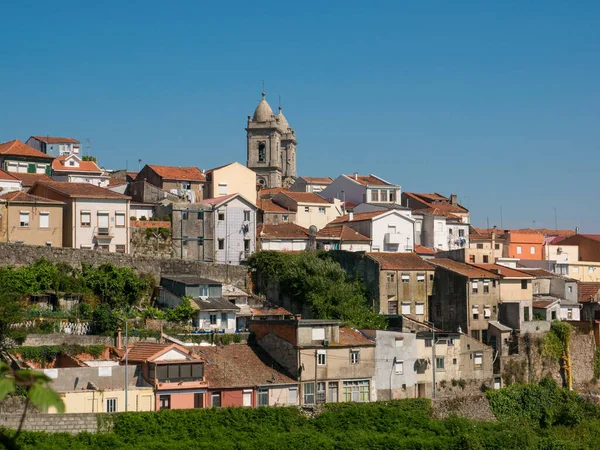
(262, 152)
(281, 159)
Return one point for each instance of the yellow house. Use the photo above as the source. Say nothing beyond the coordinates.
(232, 178)
(584, 271)
(101, 389)
(31, 220)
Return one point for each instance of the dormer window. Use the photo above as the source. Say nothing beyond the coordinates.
(71, 163)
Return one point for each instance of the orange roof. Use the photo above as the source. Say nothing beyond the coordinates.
(146, 351)
(270, 311)
(503, 271)
(282, 230)
(587, 292)
(78, 190)
(350, 337)
(17, 148)
(7, 176)
(342, 233)
(56, 140)
(357, 217)
(84, 166)
(270, 192)
(366, 180)
(467, 270)
(178, 173)
(436, 200)
(23, 197)
(400, 261)
(541, 273)
(305, 197)
(267, 205)
(29, 179)
(421, 250)
(437, 211)
(317, 180)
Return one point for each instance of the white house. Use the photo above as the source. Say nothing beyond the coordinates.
(9, 182)
(94, 218)
(362, 189)
(440, 230)
(311, 184)
(71, 168)
(390, 231)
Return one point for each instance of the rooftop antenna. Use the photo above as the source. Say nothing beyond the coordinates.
(88, 144)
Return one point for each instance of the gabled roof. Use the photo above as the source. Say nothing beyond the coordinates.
(437, 211)
(369, 180)
(503, 271)
(178, 173)
(282, 231)
(60, 165)
(18, 148)
(214, 304)
(5, 176)
(80, 190)
(342, 233)
(350, 337)
(268, 205)
(271, 192)
(23, 197)
(436, 200)
(541, 273)
(422, 250)
(305, 197)
(29, 179)
(317, 180)
(467, 270)
(400, 261)
(357, 217)
(56, 140)
(544, 304)
(146, 351)
(587, 292)
(218, 201)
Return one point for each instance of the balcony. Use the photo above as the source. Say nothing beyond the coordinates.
(394, 238)
(103, 233)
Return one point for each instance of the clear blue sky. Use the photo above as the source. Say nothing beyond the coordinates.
(498, 104)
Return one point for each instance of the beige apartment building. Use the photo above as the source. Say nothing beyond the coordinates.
(31, 220)
(309, 208)
(485, 246)
(232, 178)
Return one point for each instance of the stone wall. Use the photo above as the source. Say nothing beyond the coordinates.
(155, 245)
(15, 255)
(52, 423)
(35, 340)
(473, 407)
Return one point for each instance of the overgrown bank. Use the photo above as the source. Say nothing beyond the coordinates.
(530, 417)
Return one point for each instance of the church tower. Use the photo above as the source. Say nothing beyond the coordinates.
(271, 147)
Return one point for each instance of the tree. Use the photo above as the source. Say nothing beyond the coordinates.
(11, 312)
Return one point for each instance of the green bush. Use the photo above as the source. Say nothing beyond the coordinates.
(44, 354)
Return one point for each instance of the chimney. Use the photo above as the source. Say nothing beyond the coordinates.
(350, 216)
(356, 175)
(494, 233)
(119, 339)
(453, 199)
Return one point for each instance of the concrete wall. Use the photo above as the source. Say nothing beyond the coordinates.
(512, 290)
(16, 255)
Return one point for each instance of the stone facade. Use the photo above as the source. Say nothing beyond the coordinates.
(52, 423)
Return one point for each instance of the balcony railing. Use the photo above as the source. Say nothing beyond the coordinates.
(103, 232)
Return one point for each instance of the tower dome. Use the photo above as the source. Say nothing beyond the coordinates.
(263, 111)
(281, 118)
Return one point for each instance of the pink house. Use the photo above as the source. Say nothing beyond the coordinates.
(176, 375)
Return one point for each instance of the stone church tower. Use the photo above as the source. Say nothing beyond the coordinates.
(271, 143)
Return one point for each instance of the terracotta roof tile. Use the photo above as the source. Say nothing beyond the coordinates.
(270, 311)
(144, 350)
(503, 271)
(587, 292)
(342, 233)
(542, 303)
(59, 164)
(7, 176)
(23, 197)
(357, 217)
(366, 180)
(268, 205)
(436, 200)
(29, 179)
(78, 190)
(400, 261)
(317, 180)
(56, 140)
(178, 173)
(270, 192)
(17, 148)
(240, 365)
(462, 268)
(541, 273)
(282, 230)
(421, 250)
(350, 337)
(437, 211)
(305, 197)
(216, 200)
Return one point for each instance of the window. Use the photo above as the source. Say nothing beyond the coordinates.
(321, 210)
(119, 219)
(475, 334)
(479, 246)
(321, 393)
(293, 395)
(471, 258)
(570, 289)
(405, 307)
(428, 342)
(354, 357)
(399, 342)
(120, 248)
(246, 215)
(197, 371)
(420, 278)
(475, 312)
(246, 245)
(164, 402)
(484, 337)
(102, 223)
(215, 399)
(213, 319)
(532, 250)
(420, 309)
(111, 405)
(306, 209)
(24, 219)
(309, 393)
(487, 311)
(405, 278)
(221, 243)
(200, 215)
(478, 360)
(286, 218)
(519, 250)
(222, 188)
(221, 215)
(475, 287)
(486, 286)
(461, 233)
(318, 334)
(262, 152)
(375, 196)
(450, 231)
(223, 319)
(185, 215)
(523, 284)
(450, 342)
(399, 367)
(44, 220)
(526, 314)
(486, 259)
(263, 397)
(333, 393)
(392, 307)
(321, 357)
(439, 363)
(392, 196)
(356, 391)
(497, 246)
(390, 277)
(430, 277)
(198, 400)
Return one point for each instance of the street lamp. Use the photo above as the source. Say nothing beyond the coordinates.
(433, 362)
(126, 361)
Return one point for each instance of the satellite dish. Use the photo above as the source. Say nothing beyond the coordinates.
(313, 230)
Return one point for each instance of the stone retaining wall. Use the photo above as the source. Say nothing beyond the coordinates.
(52, 423)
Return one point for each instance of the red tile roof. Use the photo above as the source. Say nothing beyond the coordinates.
(146, 351)
(437, 211)
(421, 250)
(357, 217)
(7, 176)
(467, 270)
(56, 140)
(587, 292)
(400, 261)
(305, 197)
(503, 271)
(216, 200)
(270, 192)
(541, 273)
(269, 311)
(178, 173)
(366, 180)
(23, 197)
(317, 180)
(350, 338)
(240, 366)
(282, 231)
(268, 205)
(59, 165)
(542, 303)
(342, 233)
(436, 200)
(78, 190)
(29, 179)
(17, 148)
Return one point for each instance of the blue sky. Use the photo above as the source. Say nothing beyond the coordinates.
(496, 103)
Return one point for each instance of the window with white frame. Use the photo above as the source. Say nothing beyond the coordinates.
(486, 286)
(474, 287)
(399, 367)
(420, 309)
(478, 360)
(420, 278)
(405, 307)
(399, 342)
(40, 168)
(405, 278)
(247, 397)
(321, 357)
(519, 249)
(263, 397)
(487, 311)
(575, 269)
(44, 220)
(292, 395)
(12, 167)
(222, 188)
(86, 218)
(374, 195)
(354, 357)
(356, 391)
(120, 219)
(309, 393)
(246, 215)
(111, 405)
(24, 219)
(532, 250)
(475, 312)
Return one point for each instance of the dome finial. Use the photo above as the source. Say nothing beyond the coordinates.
(263, 95)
